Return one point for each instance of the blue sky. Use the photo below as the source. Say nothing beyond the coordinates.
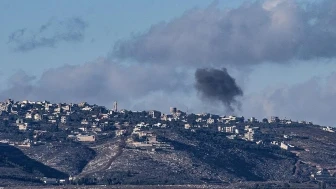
(111, 21)
(108, 21)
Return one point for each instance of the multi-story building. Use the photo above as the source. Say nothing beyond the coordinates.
(64, 119)
(154, 114)
(115, 106)
(230, 129)
(249, 135)
(274, 119)
(173, 110)
(210, 121)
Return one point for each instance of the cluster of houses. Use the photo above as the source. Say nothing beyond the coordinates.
(24, 143)
(326, 178)
(86, 123)
(147, 138)
(240, 131)
(40, 116)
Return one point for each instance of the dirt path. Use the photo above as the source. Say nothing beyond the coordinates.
(120, 147)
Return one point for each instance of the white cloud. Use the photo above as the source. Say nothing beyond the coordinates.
(313, 100)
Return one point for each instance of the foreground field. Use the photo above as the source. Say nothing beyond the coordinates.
(248, 185)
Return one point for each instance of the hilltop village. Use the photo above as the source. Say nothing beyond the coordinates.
(87, 123)
(28, 125)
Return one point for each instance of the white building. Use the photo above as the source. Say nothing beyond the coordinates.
(87, 108)
(274, 119)
(29, 115)
(84, 122)
(210, 121)
(249, 135)
(86, 138)
(329, 129)
(37, 117)
(64, 119)
(120, 132)
(19, 121)
(66, 108)
(286, 146)
(230, 129)
(154, 114)
(52, 121)
(198, 120)
(22, 126)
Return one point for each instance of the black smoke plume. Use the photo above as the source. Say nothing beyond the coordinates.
(218, 85)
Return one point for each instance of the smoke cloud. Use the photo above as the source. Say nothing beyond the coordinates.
(100, 82)
(311, 100)
(270, 31)
(218, 85)
(49, 34)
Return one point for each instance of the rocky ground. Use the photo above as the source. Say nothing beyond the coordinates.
(201, 157)
(193, 161)
(70, 157)
(105, 153)
(17, 168)
(316, 147)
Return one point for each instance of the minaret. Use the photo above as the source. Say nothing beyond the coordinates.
(115, 106)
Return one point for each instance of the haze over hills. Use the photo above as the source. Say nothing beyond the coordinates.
(90, 144)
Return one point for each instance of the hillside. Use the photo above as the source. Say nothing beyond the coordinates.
(67, 157)
(199, 157)
(95, 145)
(315, 147)
(16, 166)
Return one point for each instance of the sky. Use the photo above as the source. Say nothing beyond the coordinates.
(277, 55)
